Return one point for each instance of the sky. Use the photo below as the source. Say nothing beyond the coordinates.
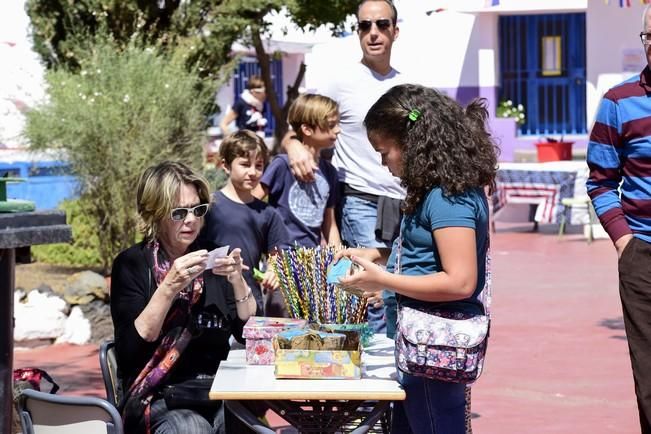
(21, 75)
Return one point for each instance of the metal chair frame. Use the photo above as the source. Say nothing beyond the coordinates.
(42, 412)
(109, 367)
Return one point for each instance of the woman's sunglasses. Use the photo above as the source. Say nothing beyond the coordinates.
(179, 214)
(365, 25)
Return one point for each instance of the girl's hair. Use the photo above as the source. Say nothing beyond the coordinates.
(312, 110)
(242, 144)
(442, 144)
(158, 189)
(255, 81)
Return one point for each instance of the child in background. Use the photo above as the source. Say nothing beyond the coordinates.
(445, 158)
(238, 219)
(307, 208)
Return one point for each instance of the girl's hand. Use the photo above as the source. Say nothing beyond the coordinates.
(369, 253)
(347, 253)
(231, 266)
(374, 299)
(270, 281)
(368, 278)
(184, 269)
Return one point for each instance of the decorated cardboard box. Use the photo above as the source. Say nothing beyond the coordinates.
(258, 332)
(316, 363)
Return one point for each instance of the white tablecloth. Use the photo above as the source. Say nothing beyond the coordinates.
(235, 380)
(544, 185)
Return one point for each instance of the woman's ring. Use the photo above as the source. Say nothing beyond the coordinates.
(192, 270)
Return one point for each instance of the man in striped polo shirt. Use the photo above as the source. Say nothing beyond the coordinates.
(619, 152)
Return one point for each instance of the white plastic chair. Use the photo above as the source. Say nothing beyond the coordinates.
(580, 202)
(44, 413)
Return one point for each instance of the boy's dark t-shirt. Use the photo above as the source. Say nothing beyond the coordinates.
(301, 204)
(254, 227)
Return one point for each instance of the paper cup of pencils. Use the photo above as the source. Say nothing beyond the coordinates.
(302, 273)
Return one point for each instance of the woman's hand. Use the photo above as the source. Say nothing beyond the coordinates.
(368, 278)
(184, 269)
(231, 266)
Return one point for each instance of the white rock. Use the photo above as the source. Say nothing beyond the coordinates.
(77, 328)
(40, 317)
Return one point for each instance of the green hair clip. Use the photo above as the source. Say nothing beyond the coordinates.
(413, 115)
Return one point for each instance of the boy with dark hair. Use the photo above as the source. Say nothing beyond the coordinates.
(238, 219)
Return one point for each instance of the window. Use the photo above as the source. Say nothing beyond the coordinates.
(551, 55)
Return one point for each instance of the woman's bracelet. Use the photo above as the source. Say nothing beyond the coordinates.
(243, 299)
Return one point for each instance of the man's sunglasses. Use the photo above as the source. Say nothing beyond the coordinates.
(179, 214)
(365, 25)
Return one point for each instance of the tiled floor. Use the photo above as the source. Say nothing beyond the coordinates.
(557, 360)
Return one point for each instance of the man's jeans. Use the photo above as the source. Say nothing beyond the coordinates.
(358, 219)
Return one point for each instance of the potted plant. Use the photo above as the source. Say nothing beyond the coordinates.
(550, 149)
(506, 109)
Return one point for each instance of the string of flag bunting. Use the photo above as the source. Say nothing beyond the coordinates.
(622, 3)
(627, 3)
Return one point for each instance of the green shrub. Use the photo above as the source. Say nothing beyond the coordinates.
(84, 249)
(216, 177)
(125, 110)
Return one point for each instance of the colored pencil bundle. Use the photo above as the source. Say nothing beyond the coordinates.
(301, 272)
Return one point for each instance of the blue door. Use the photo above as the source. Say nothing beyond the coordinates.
(249, 67)
(542, 67)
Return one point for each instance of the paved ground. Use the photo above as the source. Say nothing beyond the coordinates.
(557, 361)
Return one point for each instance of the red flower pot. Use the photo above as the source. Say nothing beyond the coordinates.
(554, 151)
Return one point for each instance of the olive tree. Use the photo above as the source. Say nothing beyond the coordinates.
(125, 109)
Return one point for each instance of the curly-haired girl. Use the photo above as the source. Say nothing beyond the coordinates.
(445, 158)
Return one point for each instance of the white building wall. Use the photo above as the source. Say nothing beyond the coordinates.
(435, 49)
(291, 65)
(536, 6)
(439, 50)
(613, 48)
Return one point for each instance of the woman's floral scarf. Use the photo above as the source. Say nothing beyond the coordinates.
(176, 334)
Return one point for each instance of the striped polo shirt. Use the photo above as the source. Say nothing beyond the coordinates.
(619, 157)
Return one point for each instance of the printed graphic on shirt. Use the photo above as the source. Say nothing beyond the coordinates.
(307, 200)
(253, 118)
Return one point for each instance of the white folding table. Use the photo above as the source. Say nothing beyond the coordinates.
(313, 405)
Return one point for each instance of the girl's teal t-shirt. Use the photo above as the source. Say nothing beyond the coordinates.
(419, 252)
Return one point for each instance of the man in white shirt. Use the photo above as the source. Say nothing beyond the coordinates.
(369, 190)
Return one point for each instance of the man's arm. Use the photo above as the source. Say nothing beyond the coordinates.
(330, 229)
(605, 166)
(301, 160)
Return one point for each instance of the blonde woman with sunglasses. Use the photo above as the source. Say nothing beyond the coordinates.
(172, 315)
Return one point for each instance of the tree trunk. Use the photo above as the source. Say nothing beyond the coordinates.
(265, 67)
(292, 94)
